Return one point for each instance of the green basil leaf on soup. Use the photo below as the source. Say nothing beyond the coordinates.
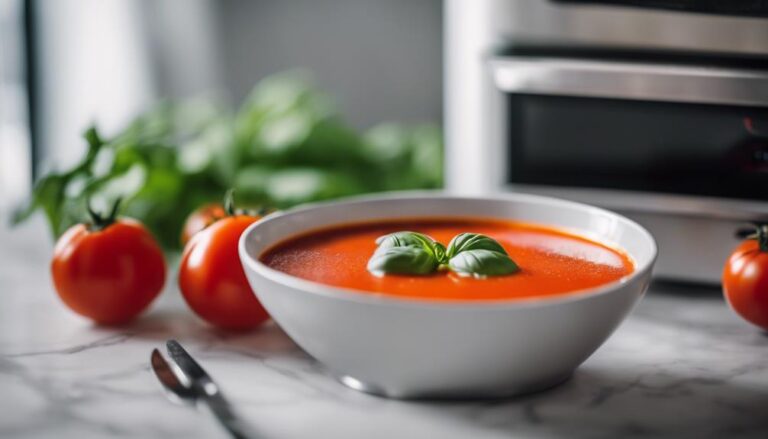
(402, 260)
(404, 239)
(440, 253)
(472, 241)
(412, 239)
(482, 263)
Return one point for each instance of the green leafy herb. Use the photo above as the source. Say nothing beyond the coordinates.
(482, 263)
(402, 260)
(468, 254)
(405, 239)
(473, 241)
(412, 239)
(406, 253)
(285, 145)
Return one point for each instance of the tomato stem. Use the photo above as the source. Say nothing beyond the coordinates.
(100, 222)
(231, 210)
(229, 203)
(762, 237)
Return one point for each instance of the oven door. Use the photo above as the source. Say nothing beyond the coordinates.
(680, 147)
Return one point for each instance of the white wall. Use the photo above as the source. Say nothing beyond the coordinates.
(382, 59)
(92, 67)
(15, 154)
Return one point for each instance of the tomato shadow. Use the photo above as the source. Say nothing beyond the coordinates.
(165, 324)
(182, 325)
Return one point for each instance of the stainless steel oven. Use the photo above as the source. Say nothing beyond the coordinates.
(658, 110)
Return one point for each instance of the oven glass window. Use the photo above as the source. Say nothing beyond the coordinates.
(709, 150)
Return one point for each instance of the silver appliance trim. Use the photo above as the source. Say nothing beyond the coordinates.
(650, 202)
(618, 26)
(608, 79)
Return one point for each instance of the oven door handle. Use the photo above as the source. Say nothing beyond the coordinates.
(627, 80)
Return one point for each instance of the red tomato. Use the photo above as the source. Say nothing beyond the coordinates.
(212, 280)
(201, 218)
(745, 282)
(109, 275)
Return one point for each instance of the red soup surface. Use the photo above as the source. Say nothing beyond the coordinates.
(551, 262)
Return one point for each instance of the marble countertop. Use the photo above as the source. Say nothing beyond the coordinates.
(682, 365)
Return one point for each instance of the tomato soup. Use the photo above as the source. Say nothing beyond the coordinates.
(551, 261)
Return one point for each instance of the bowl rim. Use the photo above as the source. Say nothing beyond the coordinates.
(365, 297)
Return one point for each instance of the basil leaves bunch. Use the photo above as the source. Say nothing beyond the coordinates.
(468, 254)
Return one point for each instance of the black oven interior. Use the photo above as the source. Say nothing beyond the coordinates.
(722, 7)
(678, 148)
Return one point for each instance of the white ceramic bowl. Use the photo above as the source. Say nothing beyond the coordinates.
(408, 348)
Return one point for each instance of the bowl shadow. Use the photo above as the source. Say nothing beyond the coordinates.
(614, 403)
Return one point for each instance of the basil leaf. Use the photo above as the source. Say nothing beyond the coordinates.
(413, 239)
(482, 263)
(405, 239)
(472, 241)
(438, 250)
(402, 260)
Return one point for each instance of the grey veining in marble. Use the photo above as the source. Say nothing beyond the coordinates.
(682, 365)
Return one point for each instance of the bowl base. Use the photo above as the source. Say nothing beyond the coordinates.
(372, 389)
